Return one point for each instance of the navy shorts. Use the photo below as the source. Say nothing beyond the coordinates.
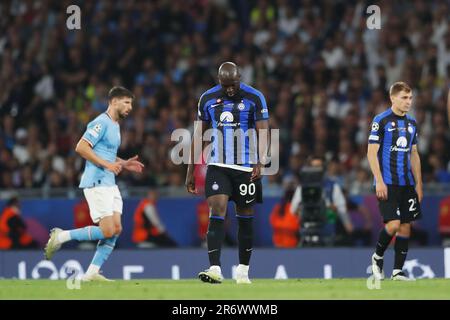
(234, 183)
(402, 204)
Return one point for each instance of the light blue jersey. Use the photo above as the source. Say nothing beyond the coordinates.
(103, 134)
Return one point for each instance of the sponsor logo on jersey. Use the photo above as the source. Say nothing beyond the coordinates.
(226, 120)
(226, 116)
(400, 145)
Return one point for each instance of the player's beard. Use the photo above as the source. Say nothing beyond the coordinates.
(122, 115)
(234, 96)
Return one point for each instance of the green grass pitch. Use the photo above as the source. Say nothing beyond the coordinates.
(260, 289)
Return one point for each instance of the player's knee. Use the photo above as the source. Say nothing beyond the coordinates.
(393, 227)
(118, 230)
(218, 209)
(244, 211)
(108, 231)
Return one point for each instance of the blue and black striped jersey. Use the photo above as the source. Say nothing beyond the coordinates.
(396, 135)
(230, 116)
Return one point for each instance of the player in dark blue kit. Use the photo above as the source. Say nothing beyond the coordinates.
(395, 164)
(234, 168)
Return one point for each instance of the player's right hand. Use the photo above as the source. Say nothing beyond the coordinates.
(115, 167)
(190, 184)
(381, 190)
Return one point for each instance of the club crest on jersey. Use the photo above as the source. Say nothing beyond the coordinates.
(241, 106)
(410, 129)
(215, 186)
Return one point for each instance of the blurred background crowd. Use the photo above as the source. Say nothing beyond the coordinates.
(323, 72)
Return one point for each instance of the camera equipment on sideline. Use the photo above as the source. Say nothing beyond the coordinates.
(313, 209)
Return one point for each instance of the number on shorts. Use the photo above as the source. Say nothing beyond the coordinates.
(243, 189)
(412, 206)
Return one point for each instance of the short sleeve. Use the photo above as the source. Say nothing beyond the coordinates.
(94, 132)
(376, 131)
(202, 109)
(415, 137)
(261, 110)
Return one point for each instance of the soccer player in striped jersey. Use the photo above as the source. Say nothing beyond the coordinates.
(234, 168)
(395, 164)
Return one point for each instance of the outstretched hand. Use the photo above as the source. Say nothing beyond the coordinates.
(133, 164)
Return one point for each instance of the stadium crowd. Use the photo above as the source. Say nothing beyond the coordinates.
(323, 72)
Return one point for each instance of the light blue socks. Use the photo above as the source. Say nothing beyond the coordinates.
(104, 249)
(87, 233)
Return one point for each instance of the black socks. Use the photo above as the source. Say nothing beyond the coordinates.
(401, 250)
(216, 233)
(245, 238)
(383, 242)
(215, 237)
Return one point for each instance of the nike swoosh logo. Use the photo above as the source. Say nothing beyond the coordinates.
(391, 129)
(215, 105)
(246, 201)
(248, 250)
(213, 250)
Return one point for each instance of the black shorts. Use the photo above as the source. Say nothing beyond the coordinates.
(234, 183)
(402, 204)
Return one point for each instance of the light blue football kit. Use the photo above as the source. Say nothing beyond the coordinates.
(100, 189)
(103, 134)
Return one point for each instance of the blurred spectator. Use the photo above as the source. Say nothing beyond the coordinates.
(322, 71)
(444, 221)
(13, 230)
(285, 224)
(148, 230)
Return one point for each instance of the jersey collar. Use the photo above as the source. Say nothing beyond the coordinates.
(107, 114)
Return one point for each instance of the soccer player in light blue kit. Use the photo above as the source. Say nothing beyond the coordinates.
(99, 145)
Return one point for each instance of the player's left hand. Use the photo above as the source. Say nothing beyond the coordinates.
(256, 173)
(133, 164)
(419, 192)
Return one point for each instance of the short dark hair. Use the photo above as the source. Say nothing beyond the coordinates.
(119, 92)
(399, 86)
